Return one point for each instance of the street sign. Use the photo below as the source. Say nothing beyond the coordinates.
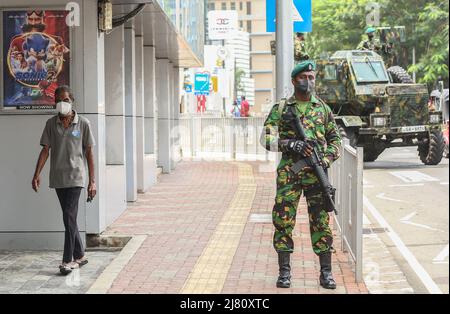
(302, 15)
(188, 88)
(202, 82)
(222, 24)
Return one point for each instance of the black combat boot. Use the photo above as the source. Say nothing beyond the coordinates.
(326, 277)
(284, 279)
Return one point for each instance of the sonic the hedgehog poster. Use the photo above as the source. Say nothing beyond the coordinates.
(36, 50)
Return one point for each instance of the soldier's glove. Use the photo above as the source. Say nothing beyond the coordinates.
(299, 147)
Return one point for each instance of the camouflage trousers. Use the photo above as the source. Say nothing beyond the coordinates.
(289, 191)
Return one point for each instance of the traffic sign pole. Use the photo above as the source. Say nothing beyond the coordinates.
(284, 49)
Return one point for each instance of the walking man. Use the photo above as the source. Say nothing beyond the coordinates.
(68, 139)
(319, 124)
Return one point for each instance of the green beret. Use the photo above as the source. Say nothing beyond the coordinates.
(307, 65)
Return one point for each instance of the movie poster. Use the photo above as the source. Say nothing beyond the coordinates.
(36, 50)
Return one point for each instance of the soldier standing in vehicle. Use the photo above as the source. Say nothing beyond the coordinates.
(300, 53)
(371, 43)
(278, 135)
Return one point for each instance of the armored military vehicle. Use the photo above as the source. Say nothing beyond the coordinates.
(374, 110)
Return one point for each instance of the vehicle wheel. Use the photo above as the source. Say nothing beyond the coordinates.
(372, 152)
(370, 155)
(432, 151)
(400, 75)
(446, 153)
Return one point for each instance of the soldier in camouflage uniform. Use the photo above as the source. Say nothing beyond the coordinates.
(319, 125)
(371, 43)
(300, 53)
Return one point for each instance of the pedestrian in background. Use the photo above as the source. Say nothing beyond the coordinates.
(245, 107)
(236, 111)
(67, 137)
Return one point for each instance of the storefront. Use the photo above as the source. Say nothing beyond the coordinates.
(126, 81)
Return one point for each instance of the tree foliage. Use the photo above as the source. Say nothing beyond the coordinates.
(340, 25)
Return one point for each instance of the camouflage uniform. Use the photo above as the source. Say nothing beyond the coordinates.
(319, 124)
(300, 53)
(368, 44)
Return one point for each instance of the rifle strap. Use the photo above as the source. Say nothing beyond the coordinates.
(281, 106)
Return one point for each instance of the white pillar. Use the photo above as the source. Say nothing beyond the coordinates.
(115, 97)
(150, 113)
(130, 112)
(140, 135)
(164, 113)
(116, 188)
(91, 85)
(176, 115)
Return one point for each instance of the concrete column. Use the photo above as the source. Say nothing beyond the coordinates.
(140, 135)
(172, 115)
(150, 114)
(91, 85)
(130, 112)
(115, 124)
(164, 113)
(115, 97)
(176, 115)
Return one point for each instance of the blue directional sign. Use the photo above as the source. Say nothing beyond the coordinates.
(302, 15)
(188, 88)
(201, 85)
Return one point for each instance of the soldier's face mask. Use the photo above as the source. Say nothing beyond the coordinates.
(305, 86)
(371, 35)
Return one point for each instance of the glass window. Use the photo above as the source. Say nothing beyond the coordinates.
(241, 24)
(233, 6)
(211, 6)
(330, 72)
(249, 26)
(241, 5)
(370, 72)
(249, 8)
(224, 5)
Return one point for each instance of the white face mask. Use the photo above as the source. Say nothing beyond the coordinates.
(64, 108)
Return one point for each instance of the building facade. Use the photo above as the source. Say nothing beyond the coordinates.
(252, 19)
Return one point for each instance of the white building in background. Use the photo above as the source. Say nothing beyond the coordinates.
(239, 47)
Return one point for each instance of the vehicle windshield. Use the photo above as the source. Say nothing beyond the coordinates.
(369, 71)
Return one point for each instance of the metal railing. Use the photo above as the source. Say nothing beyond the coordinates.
(346, 174)
(222, 138)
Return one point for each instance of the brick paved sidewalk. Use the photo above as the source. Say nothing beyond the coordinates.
(206, 228)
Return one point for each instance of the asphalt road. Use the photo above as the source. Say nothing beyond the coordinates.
(411, 201)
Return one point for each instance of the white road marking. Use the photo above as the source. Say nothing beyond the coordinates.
(405, 185)
(406, 221)
(442, 255)
(421, 226)
(381, 196)
(413, 176)
(368, 186)
(366, 221)
(408, 217)
(444, 183)
(406, 253)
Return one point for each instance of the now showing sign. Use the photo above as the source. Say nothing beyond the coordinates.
(222, 24)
